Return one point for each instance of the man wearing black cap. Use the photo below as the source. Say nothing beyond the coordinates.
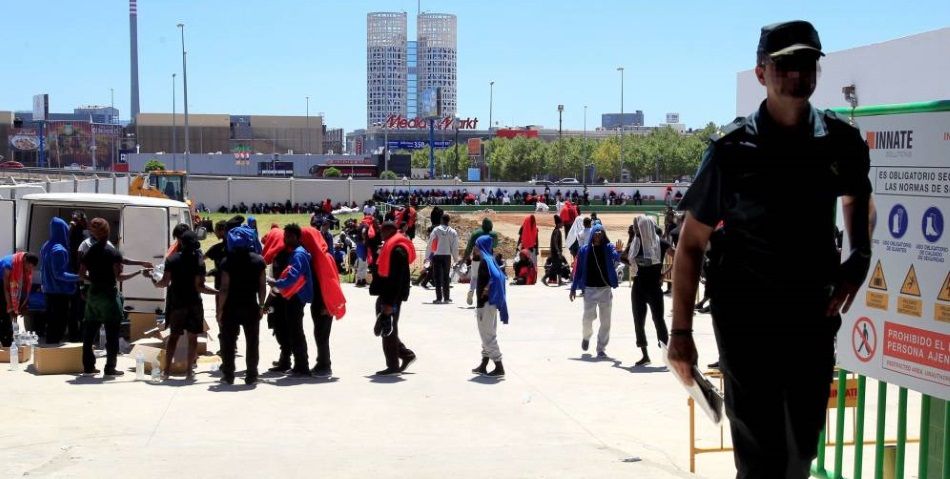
(776, 297)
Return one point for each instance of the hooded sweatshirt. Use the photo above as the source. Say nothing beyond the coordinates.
(610, 257)
(486, 229)
(54, 258)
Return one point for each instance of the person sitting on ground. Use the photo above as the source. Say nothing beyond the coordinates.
(526, 272)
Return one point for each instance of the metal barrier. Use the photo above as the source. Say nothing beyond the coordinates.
(819, 469)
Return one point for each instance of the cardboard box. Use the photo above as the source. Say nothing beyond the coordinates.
(23, 354)
(139, 324)
(62, 359)
(151, 353)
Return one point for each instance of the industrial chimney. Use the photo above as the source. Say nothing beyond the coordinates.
(134, 50)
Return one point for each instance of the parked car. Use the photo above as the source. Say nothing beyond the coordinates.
(11, 164)
(543, 183)
(568, 181)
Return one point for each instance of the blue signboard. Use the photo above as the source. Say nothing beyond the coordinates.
(416, 145)
(474, 174)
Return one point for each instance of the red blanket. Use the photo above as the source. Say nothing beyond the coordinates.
(273, 244)
(324, 271)
(21, 279)
(397, 239)
(529, 232)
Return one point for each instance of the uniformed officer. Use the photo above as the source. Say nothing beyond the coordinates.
(778, 282)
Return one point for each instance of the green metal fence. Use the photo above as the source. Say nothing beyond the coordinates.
(819, 469)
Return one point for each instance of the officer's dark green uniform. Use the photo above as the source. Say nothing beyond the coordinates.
(775, 262)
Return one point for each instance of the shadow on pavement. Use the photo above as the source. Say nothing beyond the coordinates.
(640, 369)
(384, 379)
(485, 380)
(589, 358)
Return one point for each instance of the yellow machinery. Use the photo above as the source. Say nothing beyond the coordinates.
(160, 184)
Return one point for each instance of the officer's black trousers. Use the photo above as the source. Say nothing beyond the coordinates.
(777, 364)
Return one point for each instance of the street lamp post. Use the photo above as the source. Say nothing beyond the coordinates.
(620, 173)
(560, 144)
(491, 102)
(174, 128)
(112, 122)
(184, 77)
(309, 143)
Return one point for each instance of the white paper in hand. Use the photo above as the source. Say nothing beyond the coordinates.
(703, 392)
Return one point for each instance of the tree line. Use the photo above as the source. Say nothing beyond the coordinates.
(662, 155)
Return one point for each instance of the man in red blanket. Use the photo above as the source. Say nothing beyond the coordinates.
(391, 287)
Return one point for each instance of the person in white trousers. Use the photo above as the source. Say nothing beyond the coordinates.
(491, 301)
(596, 276)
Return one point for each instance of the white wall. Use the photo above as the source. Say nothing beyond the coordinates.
(85, 186)
(905, 70)
(215, 192)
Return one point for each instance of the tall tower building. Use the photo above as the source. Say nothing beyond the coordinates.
(386, 66)
(134, 60)
(437, 56)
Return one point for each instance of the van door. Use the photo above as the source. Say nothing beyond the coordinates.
(7, 226)
(145, 238)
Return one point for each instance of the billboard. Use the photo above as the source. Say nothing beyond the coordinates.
(898, 329)
(40, 107)
(416, 144)
(431, 102)
(275, 168)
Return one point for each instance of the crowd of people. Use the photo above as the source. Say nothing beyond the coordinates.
(287, 207)
(499, 196)
(765, 285)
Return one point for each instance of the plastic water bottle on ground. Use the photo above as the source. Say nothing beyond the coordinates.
(156, 372)
(140, 366)
(14, 356)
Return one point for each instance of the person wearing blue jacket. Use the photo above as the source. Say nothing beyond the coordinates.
(297, 278)
(59, 283)
(596, 276)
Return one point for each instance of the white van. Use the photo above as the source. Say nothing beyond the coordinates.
(141, 228)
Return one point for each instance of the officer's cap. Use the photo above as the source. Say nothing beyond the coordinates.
(786, 38)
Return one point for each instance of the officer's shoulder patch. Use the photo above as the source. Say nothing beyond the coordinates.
(737, 125)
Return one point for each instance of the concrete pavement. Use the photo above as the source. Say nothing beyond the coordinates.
(557, 414)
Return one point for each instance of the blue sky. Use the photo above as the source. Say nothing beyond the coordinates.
(265, 57)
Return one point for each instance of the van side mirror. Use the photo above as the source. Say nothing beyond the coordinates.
(202, 233)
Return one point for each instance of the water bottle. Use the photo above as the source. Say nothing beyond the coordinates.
(140, 366)
(102, 337)
(14, 357)
(156, 372)
(158, 272)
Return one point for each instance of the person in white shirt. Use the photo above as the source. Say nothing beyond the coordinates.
(505, 200)
(444, 249)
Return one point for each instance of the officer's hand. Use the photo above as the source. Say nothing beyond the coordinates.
(387, 309)
(572, 296)
(842, 298)
(682, 357)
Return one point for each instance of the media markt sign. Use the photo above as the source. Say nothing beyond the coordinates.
(900, 332)
(399, 122)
